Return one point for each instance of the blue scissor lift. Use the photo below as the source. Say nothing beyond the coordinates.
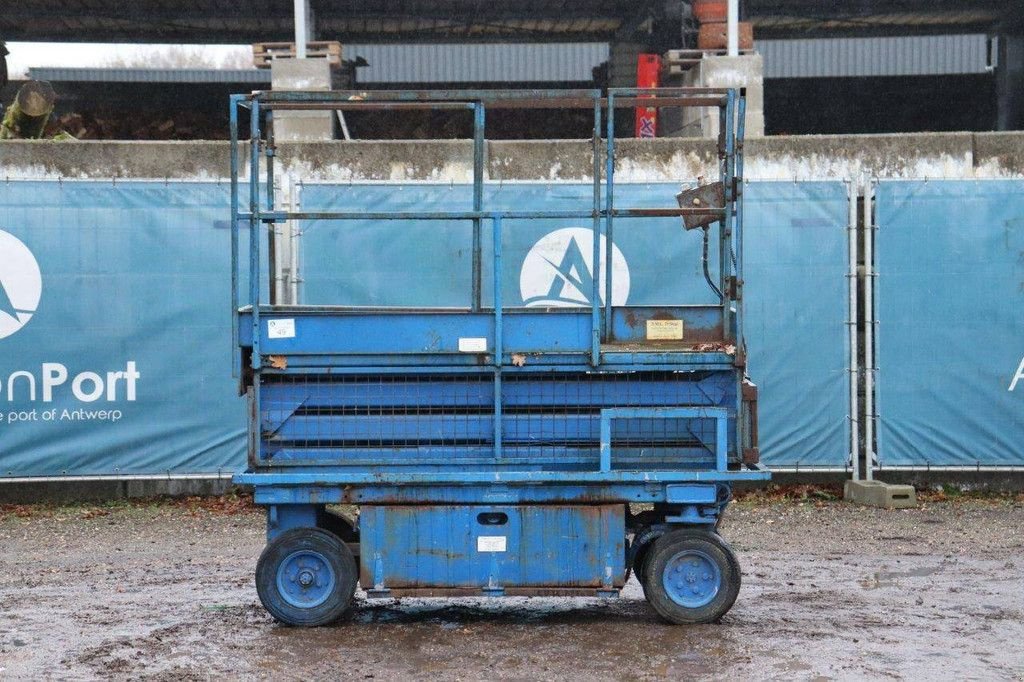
(492, 449)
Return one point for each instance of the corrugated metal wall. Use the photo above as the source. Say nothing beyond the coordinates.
(891, 56)
(497, 63)
(574, 62)
(538, 62)
(135, 75)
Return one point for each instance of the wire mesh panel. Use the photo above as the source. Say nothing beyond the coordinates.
(548, 421)
(663, 443)
(377, 419)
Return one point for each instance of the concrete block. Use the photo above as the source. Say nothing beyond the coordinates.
(745, 71)
(302, 74)
(880, 494)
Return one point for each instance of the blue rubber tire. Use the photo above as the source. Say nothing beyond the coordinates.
(691, 576)
(306, 577)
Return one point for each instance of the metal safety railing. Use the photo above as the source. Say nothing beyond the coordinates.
(602, 212)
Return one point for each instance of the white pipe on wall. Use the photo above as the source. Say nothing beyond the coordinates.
(733, 29)
(301, 28)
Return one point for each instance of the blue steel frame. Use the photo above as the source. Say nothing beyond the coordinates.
(305, 484)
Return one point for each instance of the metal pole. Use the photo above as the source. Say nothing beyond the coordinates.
(852, 323)
(595, 293)
(295, 229)
(301, 27)
(233, 122)
(254, 232)
(275, 256)
(869, 331)
(741, 341)
(344, 125)
(741, 127)
(478, 196)
(609, 205)
(254, 277)
(499, 351)
(725, 225)
(732, 25)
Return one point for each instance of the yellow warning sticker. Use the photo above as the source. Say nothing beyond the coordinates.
(664, 330)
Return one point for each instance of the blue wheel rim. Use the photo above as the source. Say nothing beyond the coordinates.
(305, 579)
(692, 579)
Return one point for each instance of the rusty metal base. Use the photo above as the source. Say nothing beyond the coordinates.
(493, 592)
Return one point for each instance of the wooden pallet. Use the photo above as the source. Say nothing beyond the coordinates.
(264, 53)
(675, 62)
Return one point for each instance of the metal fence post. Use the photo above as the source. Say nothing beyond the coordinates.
(499, 351)
(869, 330)
(853, 196)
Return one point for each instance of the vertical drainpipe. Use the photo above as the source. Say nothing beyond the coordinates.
(732, 26)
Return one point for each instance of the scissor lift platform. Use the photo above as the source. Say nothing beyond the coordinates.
(495, 449)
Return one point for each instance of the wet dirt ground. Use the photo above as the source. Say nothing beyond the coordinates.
(830, 591)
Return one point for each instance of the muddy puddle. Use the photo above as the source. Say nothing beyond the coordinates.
(830, 592)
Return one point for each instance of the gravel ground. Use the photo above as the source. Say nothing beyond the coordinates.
(830, 591)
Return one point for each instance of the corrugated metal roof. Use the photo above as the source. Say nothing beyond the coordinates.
(121, 75)
(890, 56)
(478, 63)
(871, 18)
(350, 21)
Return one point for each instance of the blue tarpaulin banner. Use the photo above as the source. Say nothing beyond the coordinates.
(797, 305)
(115, 353)
(796, 284)
(115, 335)
(950, 310)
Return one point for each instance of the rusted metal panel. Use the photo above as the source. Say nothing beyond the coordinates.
(700, 327)
(479, 547)
(425, 592)
(710, 196)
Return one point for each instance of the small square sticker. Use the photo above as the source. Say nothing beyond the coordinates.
(472, 345)
(491, 543)
(281, 329)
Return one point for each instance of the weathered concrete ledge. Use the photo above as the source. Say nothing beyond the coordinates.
(70, 492)
(819, 157)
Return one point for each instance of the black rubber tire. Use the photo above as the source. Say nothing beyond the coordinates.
(323, 543)
(711, 545)
(729, 551)
(639, 564)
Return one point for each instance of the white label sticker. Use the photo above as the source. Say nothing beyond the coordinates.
(491, 543)
(472, 345)
(281, 329)
(664, 330)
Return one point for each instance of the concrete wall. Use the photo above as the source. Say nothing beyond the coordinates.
(922, 155)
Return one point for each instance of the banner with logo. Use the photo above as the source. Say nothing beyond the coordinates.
(950, 310)
(796, 265)
(115, 350)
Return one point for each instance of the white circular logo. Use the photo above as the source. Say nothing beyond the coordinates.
(558, 270)
(21, 284)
